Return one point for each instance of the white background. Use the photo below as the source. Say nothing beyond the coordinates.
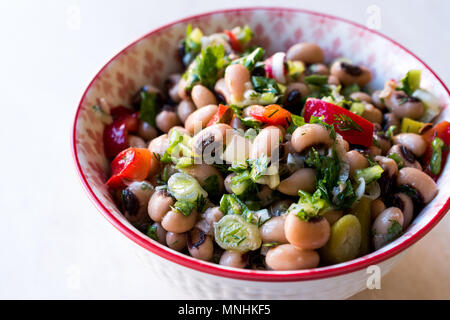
(53, 242)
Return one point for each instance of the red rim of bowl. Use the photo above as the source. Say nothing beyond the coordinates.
(246, 274)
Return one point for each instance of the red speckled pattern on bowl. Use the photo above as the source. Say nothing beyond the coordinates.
(152, 58)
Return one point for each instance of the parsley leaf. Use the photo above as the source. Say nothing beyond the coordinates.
(151, 232)
(328, 179)
(345, 123)
(184, 207)
(206, 66)
(297, 121)
(394, 231)
(265, 85)
(249, 61)
(149, 107)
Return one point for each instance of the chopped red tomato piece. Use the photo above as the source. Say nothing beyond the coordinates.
(114, 139)
(115, 134)
(353, 128)
(272, 114)
(130, 164)
(223, 115)
(440, 130)
(127, 116)
(234, 42)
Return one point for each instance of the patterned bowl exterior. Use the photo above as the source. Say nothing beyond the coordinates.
(153, 57)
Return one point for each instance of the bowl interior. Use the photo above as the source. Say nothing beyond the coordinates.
(152, 58)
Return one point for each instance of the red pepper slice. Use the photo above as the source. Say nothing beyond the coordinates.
(440, 130)
(272, 114)
(223, 115)
(130, 164)
(353, 128)
(234, 42)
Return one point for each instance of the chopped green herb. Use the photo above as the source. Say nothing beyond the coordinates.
(395, 156)
(151, 232)
(206, 67)
(249, 61)
(149, 107)
(297, 121)
(265, 85)
(345, 123)
(184, 207)
(394, 231)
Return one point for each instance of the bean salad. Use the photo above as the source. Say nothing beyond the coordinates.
(281, 162)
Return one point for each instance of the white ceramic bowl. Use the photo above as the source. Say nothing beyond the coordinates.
(152, 58)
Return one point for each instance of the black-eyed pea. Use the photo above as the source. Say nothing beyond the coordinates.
(361, 96)
(167, 119)
(319, 68)
(302, 179)
(146, 131)
(182, 92)
(273, 230)
(306, 52)
(202, 96)
(383, 225)
(176, 241)
(221, 90)
(407, 157)
(184, 109)
(158, 233)
(404, 203)
(136, 142)
(267, 140)
(417, 179)
(159, 204)
(333, 80)
(377, 206)
(349, 74)
(172, 87)
(412, 141)
(310, 135)
(372, 114)
(377, 101)
(288, 257)
(200, 245)
(177, 222)
(236, 77)
(356, 161)
(134, 201)
(304, 234)
(200, 118)
(404, 106)
(233, 259)
(280, 207)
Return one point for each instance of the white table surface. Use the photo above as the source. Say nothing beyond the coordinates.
(53, 242)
